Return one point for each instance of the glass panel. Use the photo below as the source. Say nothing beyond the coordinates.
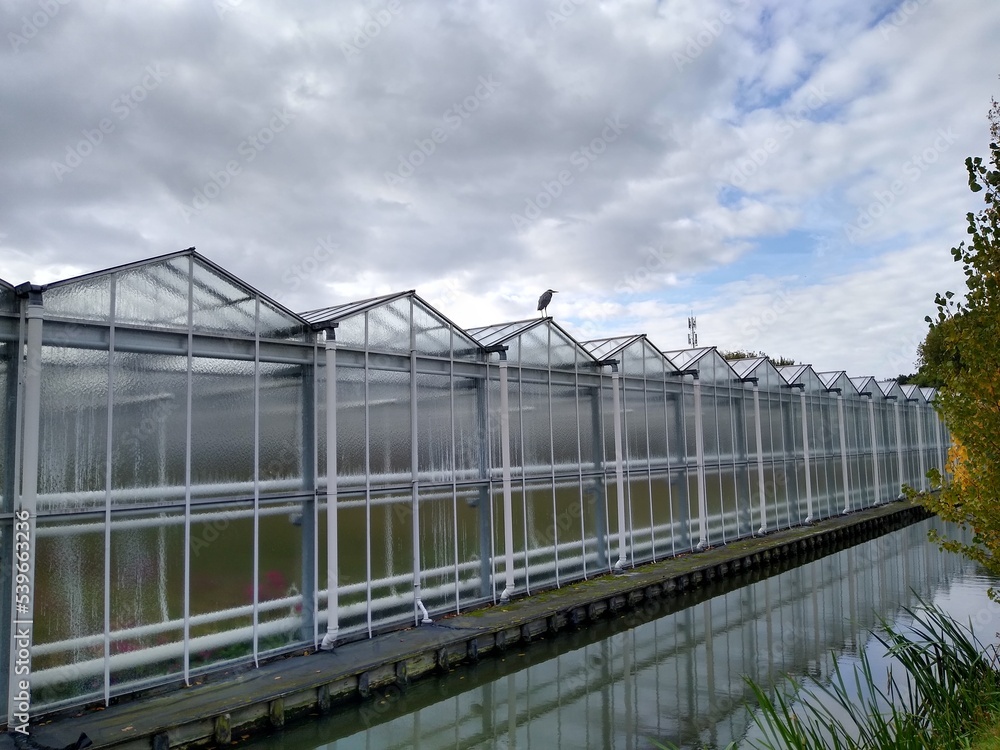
(474, 529)
(434, 436)
(389, 426)
(222, 426)
(68, 610)
(391, 544)
(286, 418)
(389, 327)
(87, 299)
(149, 428)
(437, 551)
(220, 306)
(147, 596)
(280, 577)
(277, 324)
(433, 335)
(154, 294)
(74, 424)
(8, 299)
(221, 582)
(350, 426)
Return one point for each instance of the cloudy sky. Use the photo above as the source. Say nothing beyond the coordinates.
(793, 173)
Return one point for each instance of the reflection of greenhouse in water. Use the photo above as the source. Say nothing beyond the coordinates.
(679, 677)
(172, 432)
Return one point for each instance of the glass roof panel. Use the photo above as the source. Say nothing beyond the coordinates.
(336, 313)
(603, 348)
(498, 332)
(684, 357)
(891, 388)
(865, 384)
(929, 393)
(744, 366)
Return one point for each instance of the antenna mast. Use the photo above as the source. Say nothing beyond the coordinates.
(692, 331)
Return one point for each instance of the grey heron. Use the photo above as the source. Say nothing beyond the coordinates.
(545, 299)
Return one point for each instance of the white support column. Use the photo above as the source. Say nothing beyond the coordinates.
(761, 486)
(871, 427)
(920, 447)
(843, 453)
(699, 440)
(805, 453)
(508, 509)
(616, 404)
(332, 570)
(899, 444)
(23, 526)
(419, 610)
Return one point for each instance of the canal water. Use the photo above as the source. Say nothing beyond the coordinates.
(674, 672)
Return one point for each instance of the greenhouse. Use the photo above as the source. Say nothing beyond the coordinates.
(213, 479)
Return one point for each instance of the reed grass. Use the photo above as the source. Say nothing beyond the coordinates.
(942, 692)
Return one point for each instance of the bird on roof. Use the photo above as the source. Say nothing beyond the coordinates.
(545, 299)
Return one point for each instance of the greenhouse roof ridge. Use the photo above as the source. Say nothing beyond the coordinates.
(685, 357)
(190, 252)
(746, 364)
(500, 332)
(613, 344)
(324, 315)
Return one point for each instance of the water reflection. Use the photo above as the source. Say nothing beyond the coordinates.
(678, 677)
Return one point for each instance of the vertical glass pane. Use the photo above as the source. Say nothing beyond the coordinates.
(148, 429)
(74, 426)
(147, 596)
(389, 426)
(286, 426)
(222, 426)
(68, 610)
(222, 583)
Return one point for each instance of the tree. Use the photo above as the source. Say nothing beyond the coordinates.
(962, 350)
(740, 354)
